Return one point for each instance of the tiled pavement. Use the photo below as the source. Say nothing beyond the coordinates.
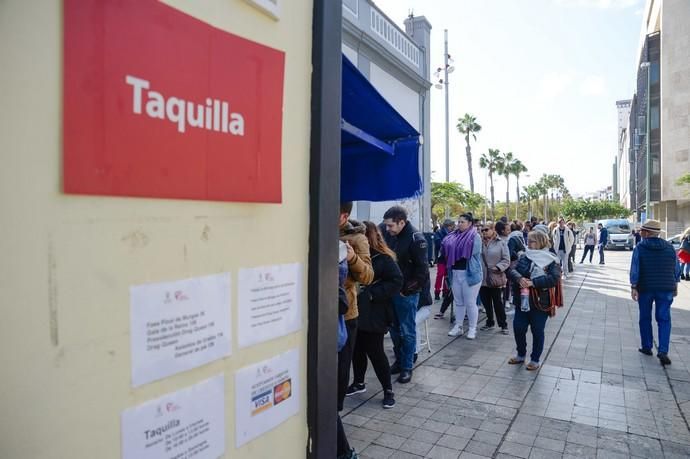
(595, 395)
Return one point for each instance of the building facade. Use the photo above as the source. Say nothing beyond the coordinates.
(621, 166)
(659, 125)
(396, 62)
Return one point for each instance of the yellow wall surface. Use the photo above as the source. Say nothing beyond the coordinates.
(68, 261)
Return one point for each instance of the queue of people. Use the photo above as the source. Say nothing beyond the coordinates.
(509, 268)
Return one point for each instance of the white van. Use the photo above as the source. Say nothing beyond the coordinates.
(620, 234)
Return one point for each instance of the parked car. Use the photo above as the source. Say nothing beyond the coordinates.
(620, 234)
(675, 240)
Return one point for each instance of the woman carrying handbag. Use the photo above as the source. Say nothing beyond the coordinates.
(537, 290)
(495, 261)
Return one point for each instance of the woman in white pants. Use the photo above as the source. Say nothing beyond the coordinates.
(463, 250)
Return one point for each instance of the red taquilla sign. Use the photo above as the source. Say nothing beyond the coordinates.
(159, 104)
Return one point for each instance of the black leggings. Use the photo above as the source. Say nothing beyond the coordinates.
(370, 344)
(590, 249)
(492, 299)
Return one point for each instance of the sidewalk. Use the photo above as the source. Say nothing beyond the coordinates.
(595, 395)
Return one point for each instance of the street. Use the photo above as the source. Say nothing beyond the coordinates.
(594, 396)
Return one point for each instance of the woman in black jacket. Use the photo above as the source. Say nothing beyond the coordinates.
(536, 274)
(375, 303)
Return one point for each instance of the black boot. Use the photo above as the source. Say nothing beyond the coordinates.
(395, 368)
(405, 376)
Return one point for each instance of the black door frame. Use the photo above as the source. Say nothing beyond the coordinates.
(324, 205)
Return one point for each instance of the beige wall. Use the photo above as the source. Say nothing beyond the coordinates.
(675, 97)
(68, 261)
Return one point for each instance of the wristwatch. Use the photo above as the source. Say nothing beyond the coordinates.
(633, 286)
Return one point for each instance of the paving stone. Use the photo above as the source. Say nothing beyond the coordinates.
(440, 452)
(520, 437)
(426, 436)
(389, 440)
(420, 448)
(378, 452)
(487, 437)
(515, 449)
(538, 453)
(461, 431)
(468, 455)
(449, 441)
(580, 451)
(480, 448)
(550, 444)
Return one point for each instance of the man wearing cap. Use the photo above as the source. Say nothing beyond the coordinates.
(654, 277)
(447, 228)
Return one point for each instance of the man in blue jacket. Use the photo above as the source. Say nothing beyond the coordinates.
(603, 240)
(654, 277)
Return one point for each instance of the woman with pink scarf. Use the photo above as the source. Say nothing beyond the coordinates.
(463, 250)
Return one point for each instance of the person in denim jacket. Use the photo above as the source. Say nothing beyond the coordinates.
(463, 251)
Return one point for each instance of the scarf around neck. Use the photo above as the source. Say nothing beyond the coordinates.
(459, 244)
(542, 257)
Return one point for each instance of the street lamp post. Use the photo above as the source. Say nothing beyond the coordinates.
(443, 84)
(648, 160)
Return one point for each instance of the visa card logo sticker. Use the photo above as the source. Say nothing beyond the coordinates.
(261, 402)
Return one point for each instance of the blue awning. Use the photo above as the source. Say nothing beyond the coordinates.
(379, 148)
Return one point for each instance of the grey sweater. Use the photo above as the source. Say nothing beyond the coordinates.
(495, 254)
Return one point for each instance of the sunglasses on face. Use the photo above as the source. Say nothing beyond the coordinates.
(484, 230)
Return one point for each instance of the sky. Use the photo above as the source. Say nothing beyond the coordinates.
(541, 76)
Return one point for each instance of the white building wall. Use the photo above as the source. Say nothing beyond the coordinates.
(350, 53)
(403, 98)
(675, 97)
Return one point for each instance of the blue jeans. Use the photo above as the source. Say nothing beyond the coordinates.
(536, 321)
(601, 253)
(662, 314)
(404, 329)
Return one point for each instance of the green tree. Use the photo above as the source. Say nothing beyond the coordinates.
(490, 162)
(588, 210)
(453, 196)
(467, 125)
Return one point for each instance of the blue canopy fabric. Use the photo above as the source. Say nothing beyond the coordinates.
(379, 148)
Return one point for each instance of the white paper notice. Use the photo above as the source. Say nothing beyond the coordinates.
(270, 303)
(178, 325)
(186, 424)
(266, 394)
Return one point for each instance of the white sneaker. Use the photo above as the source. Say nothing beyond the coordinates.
(472, 333)
(456, 330)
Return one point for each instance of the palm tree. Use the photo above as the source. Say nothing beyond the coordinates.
(533, 192)
(517, 169)
(504, 168)
(467, 126)
(543, 188)
(490, 162)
